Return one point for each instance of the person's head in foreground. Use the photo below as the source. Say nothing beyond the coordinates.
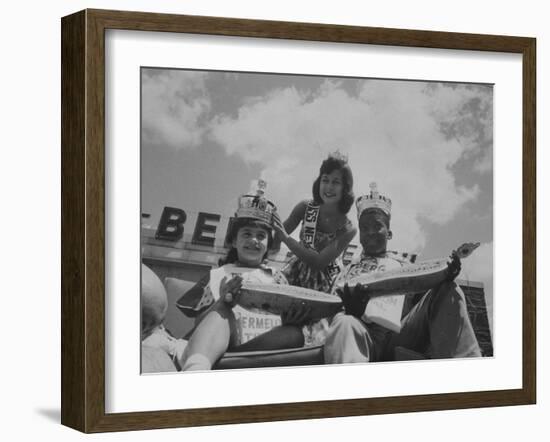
(154, 304)
(154, 301)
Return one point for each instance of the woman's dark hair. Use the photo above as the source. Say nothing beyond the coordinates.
(328, 166)
(236, 225)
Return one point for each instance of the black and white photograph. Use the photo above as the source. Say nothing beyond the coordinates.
(295, 220)
(252, 221)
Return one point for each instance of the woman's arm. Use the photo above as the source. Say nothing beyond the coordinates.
(317, 260)
(291, 223)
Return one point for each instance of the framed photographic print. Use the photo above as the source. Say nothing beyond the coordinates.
(261, 218)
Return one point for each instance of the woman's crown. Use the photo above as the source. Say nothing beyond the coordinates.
(337, 155)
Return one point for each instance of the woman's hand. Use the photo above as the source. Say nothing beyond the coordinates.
(229, 290)
(279, 227)
(297, 314)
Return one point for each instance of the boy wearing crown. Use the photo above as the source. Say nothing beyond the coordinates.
(222, 324)
(438, 325)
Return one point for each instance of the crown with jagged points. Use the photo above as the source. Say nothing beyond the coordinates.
(255, 205)
(337, 155)
(373, 201)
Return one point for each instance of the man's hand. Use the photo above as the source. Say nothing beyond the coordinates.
(355, 300)
(454, 267)
(297, 314)
(229, 290)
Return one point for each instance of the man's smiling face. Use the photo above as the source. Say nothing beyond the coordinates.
(374, 232)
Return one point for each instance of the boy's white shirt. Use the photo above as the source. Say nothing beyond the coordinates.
(251, 324)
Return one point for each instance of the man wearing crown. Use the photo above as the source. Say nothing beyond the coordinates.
(437, 326)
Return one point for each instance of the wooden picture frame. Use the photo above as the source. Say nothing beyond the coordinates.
(83, 219)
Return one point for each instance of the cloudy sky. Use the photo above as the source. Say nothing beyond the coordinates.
(207, 135)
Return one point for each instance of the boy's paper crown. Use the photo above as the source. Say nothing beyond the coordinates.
(255, 205)
(373, 201)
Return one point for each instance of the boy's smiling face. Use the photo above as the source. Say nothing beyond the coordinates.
(251, 244)
(374, 232)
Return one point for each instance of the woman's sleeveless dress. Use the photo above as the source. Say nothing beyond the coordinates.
(300, 274)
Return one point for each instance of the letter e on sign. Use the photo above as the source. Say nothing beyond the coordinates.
(202, 229)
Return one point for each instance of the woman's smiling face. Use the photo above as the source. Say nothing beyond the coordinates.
(331, 187)
(251, 244)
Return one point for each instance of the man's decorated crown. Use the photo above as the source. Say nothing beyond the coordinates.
(373, 200)
(255, 205)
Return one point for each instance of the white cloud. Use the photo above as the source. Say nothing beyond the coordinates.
(174, 101)
(464, 113)
(484, 162)
(392, 132)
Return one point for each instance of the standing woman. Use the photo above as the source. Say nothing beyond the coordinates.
(326, 230)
